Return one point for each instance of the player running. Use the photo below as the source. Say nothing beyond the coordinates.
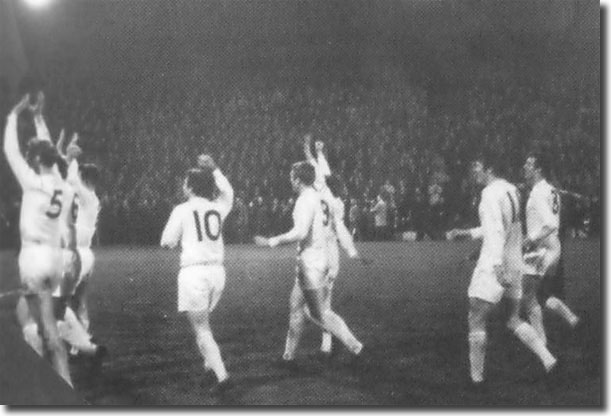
(499, 268)
(309, 294)
(542, 244)
(330, 188)
(40, 257)
(197, 226)
(74, 325)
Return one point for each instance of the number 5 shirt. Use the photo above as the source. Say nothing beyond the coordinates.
(500, 227)
(42, 201)
(197, 224)
(543, 211)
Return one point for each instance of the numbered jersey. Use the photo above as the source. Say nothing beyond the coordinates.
(312, 213)
(68, 216)
(543, 210)
(333, 210)
(41, 209)
(501, 226)
(85, 209)
(198, 224)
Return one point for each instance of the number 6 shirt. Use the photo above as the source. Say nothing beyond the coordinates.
(198, 224)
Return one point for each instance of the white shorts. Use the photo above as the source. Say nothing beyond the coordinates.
(312, 268)
(541, 262)
(40, 267)
(200, 287)
(87, 262)
(71, 266)
(484, 285)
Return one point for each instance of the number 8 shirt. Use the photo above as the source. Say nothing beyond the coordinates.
(542, 211)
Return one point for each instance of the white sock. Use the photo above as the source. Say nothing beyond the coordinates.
(296, 324)
(72, 331)
(559, 308)
(535, 318)
(477, 355)
(529, 337)
(31, 336)
(325, 345)
(212, 354)
(336, 326)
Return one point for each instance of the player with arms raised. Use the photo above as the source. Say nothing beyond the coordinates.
(308, 297)
(498, 271)
(330, 188)
(197, 226)
(40, 257)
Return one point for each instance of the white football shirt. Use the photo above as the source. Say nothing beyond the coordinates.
(543, 211)
(198, 224)
(500, 226)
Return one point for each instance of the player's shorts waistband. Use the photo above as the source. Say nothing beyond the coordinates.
(202, 263)
(36, 242)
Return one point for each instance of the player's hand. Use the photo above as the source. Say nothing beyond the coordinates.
(206, 161)
(39, 105)
(21, 105)
(452, 234)
(261, 241)
(318, 145)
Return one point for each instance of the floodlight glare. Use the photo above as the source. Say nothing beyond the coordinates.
(37, 3)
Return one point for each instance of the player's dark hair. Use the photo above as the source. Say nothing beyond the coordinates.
(305, 172)
(90, 174)
(335, 185)
(494, 161)
(542, 162)
(44, 150)
(202, 182)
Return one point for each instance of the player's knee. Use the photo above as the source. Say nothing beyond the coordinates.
(552, 303)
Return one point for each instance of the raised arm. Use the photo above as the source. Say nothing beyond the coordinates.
(25, 175)
(307, 149)
(42, 131)
(61, 143)
(225, 189)
(321, 160)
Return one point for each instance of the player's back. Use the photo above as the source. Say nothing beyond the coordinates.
(68, 216)
(310, 205)
(41, 208)
(201, 225)
(509, 199)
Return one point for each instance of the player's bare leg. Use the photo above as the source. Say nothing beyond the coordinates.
(531, 304)
(559, 308)
(329, 320)
(297, 317)
(478, 315)
(29, 327)
(206, 343)
(529, 337)
(55, 346)
(327, 339)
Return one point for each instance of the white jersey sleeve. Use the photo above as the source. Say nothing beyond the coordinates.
(343, 235)
(27, 178)
(173, 229)
(225, 198)
(42, 131)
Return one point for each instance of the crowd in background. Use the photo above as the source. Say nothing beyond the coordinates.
(392, 138)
